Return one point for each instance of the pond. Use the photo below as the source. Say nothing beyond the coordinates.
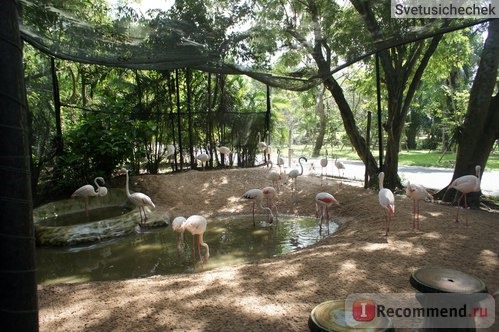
(232, 241)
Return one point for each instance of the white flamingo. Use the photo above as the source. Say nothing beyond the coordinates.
(262, 146)
(177, 227)
(466, 184)
(256, 195)
(225, 151)
(324, 163)
(88, 190)
(274, 176)
(387, 201)
(280, 161)
(138, 199)
(417, 193)
(295, 173)
(341, 167)
(196, 225)
(324, 201)
(269, 193)
(203, 158)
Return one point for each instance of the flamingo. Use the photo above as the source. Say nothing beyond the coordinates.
(280, 161)
(262, 146)
(203, 158)
(324, 200)
(87, 191)
(340, 166)
(225, 151)
(256, 195)
(196, 225)
(295, 173)
(177, 227)
(387, 201)
(417, 193)
(138, 199)
(466, 184)
(269, 193)
(323, 164)
(274, 176)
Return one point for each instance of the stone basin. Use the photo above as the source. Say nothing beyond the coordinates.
(48, 233)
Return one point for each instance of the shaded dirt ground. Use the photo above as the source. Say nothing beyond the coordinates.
(277, 294)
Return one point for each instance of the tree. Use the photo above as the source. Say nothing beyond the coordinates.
(480, 128)
(18, 290)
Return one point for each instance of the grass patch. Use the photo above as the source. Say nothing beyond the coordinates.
(424, 158)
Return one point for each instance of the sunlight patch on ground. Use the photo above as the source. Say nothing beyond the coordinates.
(406, 248)
(255, 305)
(489, 259)
(374, 246)
(432, 235)
(436, 214)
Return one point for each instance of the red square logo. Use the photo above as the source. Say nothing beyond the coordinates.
(363, 310)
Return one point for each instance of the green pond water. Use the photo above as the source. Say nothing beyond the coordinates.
(153, 251)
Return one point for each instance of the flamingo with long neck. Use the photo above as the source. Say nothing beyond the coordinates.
(387, 201)
(324, 163)
(88, 190)
(196, 225)
(466, 184)
(138, 199)
(256, 195)
(295, 173)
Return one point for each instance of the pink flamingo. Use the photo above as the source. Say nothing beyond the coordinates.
(88, 190)
(138, 199)
(295, 173)
(196, 225)
(177, 227)
(417, 193)
(387, 201)
(324, 201)
(225, 151)
(256, 195)
(466, 184)
(269, 193)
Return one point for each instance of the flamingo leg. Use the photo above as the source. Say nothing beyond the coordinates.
(466, 207)
(458, 203)
(387, 221)
(254, 224)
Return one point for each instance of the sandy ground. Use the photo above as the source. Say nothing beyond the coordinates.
(277, 294)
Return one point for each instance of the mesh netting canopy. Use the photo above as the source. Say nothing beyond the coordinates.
(111, 34)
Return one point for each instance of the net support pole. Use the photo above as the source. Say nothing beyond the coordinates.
(380, 129)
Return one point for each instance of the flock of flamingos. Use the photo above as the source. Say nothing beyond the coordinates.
(196, 224)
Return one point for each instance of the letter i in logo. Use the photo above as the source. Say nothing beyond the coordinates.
(363, 310)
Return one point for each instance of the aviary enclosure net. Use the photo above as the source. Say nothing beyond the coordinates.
(110, 34)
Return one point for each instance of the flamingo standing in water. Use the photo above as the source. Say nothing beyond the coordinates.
(138, 199)
(256, 195)
(324, 201)
(269, 193)
(196, 225)
(88, 190)
(177, 227)
(466, 184)
(323, 165)
(417, 193)
(295, 173)
(387, 201)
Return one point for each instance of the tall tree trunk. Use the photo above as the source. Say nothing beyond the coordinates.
(481, 125)
(319, 106)
(18, 290)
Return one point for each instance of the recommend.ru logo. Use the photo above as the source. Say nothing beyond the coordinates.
(420, 310)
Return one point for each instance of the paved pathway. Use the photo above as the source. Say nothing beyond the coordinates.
(431, 177)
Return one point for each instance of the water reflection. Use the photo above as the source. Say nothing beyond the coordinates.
(152, 252)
